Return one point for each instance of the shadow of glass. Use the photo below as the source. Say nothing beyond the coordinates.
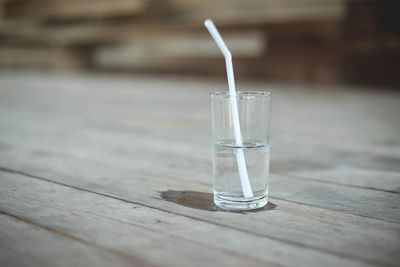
(201, 201)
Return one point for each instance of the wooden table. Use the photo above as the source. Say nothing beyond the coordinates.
(116, 171)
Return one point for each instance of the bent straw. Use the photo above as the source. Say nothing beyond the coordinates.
(244, 178)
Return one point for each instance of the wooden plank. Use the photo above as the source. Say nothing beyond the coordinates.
(27, 244)
(333, 232)
(156, 51)
(95, 33)
(117, 32)
(29, 29)
(101, 219)
(63, 9)
(258, 11)
(42, 57)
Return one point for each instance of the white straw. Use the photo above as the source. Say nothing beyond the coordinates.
(244, 178)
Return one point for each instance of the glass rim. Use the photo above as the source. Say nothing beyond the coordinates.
(241, 94)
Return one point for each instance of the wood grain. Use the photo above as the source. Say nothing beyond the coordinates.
(26, 244)
(139, 228)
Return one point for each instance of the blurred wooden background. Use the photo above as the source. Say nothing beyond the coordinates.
(314, 41)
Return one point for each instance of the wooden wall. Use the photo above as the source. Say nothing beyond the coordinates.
(320, 41)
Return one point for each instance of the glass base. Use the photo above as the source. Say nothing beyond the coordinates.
(240, 204)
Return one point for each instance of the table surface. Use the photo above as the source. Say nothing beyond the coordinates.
(116, 170)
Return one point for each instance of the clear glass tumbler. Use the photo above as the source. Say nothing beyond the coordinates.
(254, 110)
